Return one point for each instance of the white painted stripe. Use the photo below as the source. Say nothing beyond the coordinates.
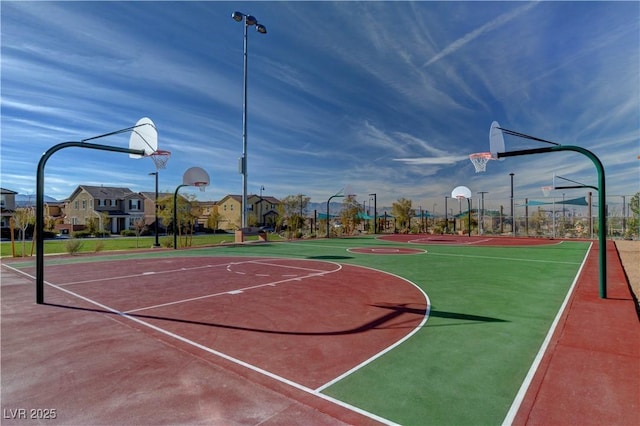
(504, 258)
(393, 346)
(515, 406)
(222, 355)
(206, 296)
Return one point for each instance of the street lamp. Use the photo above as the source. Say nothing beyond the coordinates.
(155, 203)
(248, 22)
(375, 213)
(481, 226)
(260, 219)
(513, 222)
(446, 218)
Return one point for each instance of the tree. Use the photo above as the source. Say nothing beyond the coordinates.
(22, 218)
(213, 221)
(188, 212)
(349, 215)
(633, 226)
(402, 211)
(139, 226)
(292, 209)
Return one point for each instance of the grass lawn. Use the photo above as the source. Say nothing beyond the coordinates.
(92, 245)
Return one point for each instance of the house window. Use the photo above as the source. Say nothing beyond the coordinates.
(84, 204)
(76, 205)
(100, 202)
(225, 207)
(231, 206)
(134, 204)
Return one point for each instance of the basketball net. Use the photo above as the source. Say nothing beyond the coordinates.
(546, 190)
(200, 185)
(480, 160)
(160, 158)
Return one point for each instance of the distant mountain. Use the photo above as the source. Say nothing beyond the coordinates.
(23, 200)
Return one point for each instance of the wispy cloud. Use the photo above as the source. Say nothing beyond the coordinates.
(478, 32)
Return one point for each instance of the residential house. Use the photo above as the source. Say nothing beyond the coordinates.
(207, 208)
(121, 206)
(7, 206)
(149, 207)
(230, 210)
(264, 208)
(261, 210)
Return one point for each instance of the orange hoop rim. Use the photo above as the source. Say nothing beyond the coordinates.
(486, 155)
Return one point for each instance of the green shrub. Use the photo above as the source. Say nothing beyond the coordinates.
(81, 234)
(167, 242)
(99, 246)
(128, 233)
(73, 246)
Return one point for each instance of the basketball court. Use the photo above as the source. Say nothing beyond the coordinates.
(267, 316)
(340, 331)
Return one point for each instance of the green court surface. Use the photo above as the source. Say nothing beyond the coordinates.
(491, 308)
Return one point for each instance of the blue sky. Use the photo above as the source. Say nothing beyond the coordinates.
(381, 97)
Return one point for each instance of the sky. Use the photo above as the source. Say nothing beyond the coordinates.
(365, 97)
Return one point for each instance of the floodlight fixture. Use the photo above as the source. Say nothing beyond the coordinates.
(249, 20)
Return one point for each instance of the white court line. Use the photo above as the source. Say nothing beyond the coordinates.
(504, 258)
(277, 265)
(219, 354)
(240, 290)
(515, 406)
(140, 274)
(393, 346)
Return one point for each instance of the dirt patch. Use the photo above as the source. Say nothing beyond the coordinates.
(630, 256)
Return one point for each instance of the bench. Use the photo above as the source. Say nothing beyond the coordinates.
(250, 231)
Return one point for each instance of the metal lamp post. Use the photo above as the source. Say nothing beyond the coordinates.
(248, 22)
(513, 222)
(446, 218)
(375, 213)
(155, 204)
(481, 225)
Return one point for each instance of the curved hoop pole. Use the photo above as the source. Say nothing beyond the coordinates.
(40, 203)
(602, 223)
(175, 217)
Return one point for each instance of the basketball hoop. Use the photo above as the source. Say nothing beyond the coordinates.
(201, 185)
(160, 158)
(546, 190)
(480, 160)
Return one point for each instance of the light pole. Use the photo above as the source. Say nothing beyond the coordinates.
(433, 214)
(446, 218)
(375, 213)
(481, 225)
(513, 222)
(155, 204)
(248, 21)
(261, 218)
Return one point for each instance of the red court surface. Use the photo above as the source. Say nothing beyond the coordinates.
(385, 250)
(466, 240)
(94, 367)
(590, 374)
(197, 340)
